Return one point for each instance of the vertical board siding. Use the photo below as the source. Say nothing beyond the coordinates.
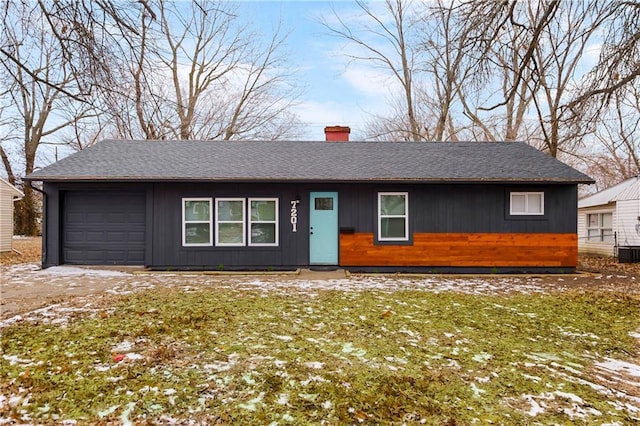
(463, 250)
(454, 211)
(168, 251)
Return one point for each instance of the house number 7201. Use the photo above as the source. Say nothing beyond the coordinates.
(294, 215)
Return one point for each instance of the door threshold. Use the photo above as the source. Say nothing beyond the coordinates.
(323, 268)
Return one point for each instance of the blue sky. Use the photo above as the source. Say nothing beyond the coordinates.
(334, 93)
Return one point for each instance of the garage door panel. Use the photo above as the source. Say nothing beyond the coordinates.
(95, 255)
(106, 227)
(74, 217)
(71, 256)
(95, 218)
(72, 237)
(114, 255)
(117, 218)
(136, 256)
(95, 236)
(116, 236)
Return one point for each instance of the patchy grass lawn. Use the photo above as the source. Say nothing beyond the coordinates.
(326, 357)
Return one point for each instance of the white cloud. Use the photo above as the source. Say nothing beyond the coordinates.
(369, 81)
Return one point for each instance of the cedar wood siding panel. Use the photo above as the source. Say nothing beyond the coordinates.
(464, 250)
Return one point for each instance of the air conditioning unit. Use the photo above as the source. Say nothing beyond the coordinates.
(629, 254)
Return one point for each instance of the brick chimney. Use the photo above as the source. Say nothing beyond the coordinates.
(337, 133)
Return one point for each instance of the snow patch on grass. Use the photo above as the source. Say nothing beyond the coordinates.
(617, 366)
(70, 271)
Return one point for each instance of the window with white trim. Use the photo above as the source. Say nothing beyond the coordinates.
(196, 222)
(526, 203)
(263, 221)
(230, 222)
(393, 216)
(600, 227)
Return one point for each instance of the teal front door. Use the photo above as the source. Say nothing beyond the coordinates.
(323, 228)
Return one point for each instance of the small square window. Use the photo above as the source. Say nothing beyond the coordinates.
(526, 203)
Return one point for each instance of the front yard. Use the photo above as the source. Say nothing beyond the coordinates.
(382, 350)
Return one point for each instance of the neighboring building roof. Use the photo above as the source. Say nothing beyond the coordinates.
(6, 186)
(626, 190)
(112, 160)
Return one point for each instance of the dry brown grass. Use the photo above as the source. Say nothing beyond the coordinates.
(27, 249)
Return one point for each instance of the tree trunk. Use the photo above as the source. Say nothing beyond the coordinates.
(27, 213)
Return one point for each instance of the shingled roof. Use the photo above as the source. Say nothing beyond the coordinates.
(112, 160)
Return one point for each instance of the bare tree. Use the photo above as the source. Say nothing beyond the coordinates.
(196, 71)
(617, 22)
(84, 33)
(619, 63)
(387, 44)
(487, 20)
(40, 105)
(614, 154)
(554, 69)
(449, 70)
(210, 48)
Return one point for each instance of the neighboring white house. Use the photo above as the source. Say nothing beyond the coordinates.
(8, 194)
(610, 219)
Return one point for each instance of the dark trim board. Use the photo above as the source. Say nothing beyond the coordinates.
(433, 209)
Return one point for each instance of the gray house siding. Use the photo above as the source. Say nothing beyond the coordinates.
(291, 251)
(434, 208)
(464, 208)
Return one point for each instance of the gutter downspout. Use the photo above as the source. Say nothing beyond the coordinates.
(44, 223)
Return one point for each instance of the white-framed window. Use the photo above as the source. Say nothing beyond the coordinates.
(196, 222)
(393, 216)
(600, 227)
(263, 221)
(230, 222)
(526, 203)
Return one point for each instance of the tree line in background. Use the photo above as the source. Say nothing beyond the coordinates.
(561, 75)
(78, 71)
